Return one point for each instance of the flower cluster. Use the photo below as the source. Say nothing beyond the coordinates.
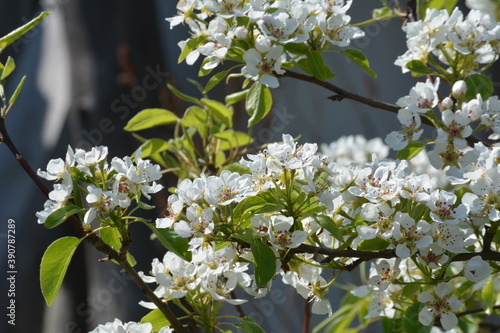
(131, 327)
(292, 195)
(110, 188)
(211, 272)
(451, 38)
(264, 35)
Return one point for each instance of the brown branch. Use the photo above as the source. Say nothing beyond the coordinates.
(307, 315)
(93, 239)
(342, 93)
(369, 255)
(5, 138)
(473, 311)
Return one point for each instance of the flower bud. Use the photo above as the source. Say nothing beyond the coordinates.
(241, 32)
(459, 89)
(447, 103)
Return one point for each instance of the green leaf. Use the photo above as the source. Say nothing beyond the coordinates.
(381, 12)
(265, 262)
(205, 71)
(449, 5)
(9, 67)
(172, 241)
(153, 147)
(248, 325)
(14, 96)
(297, 48)
(246, 204)
(411, 322)
(359, 59)
(150, 118)
(233, 139)
(236, 97)
(215, 80)
(317, 67)
(155, 318)
(112, 237)
(181, 95)
(194, 116)
(478, 84)
(258, 103)
(410, 151)
(191, 44)
(59, 216)
(246, 235)
(236, 167)
(328, 224)
(489, 295)
(145, 206)
(375, 244)
(16, 34)
(220, 111)
(55, 262)
(411, 289)
(418, 68)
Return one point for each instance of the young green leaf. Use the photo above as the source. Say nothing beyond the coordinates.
(215, 80)
(489, 295)
(9, 67)
(410, 151)
(16, 34)
(258, 103)
(248, 325)
(55, 262)
(297, 48)
(182, 96)
(233, 139)
(156, 318)
(59, 216)
(328, 224)
(265, 262)
(317, 66)
(172, 241)
(359, 59)
(411, 322)
(236, 97)
(13, 98)
(220, 111)
(418, 68)
(153, 147)
(190, 45)
(375, 244)
(150, 118)
(478, 84)
(194, 116)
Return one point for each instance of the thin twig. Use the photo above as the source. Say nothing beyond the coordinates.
(5, 138)
(307, 316)
(476, 310)
(342, 93)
